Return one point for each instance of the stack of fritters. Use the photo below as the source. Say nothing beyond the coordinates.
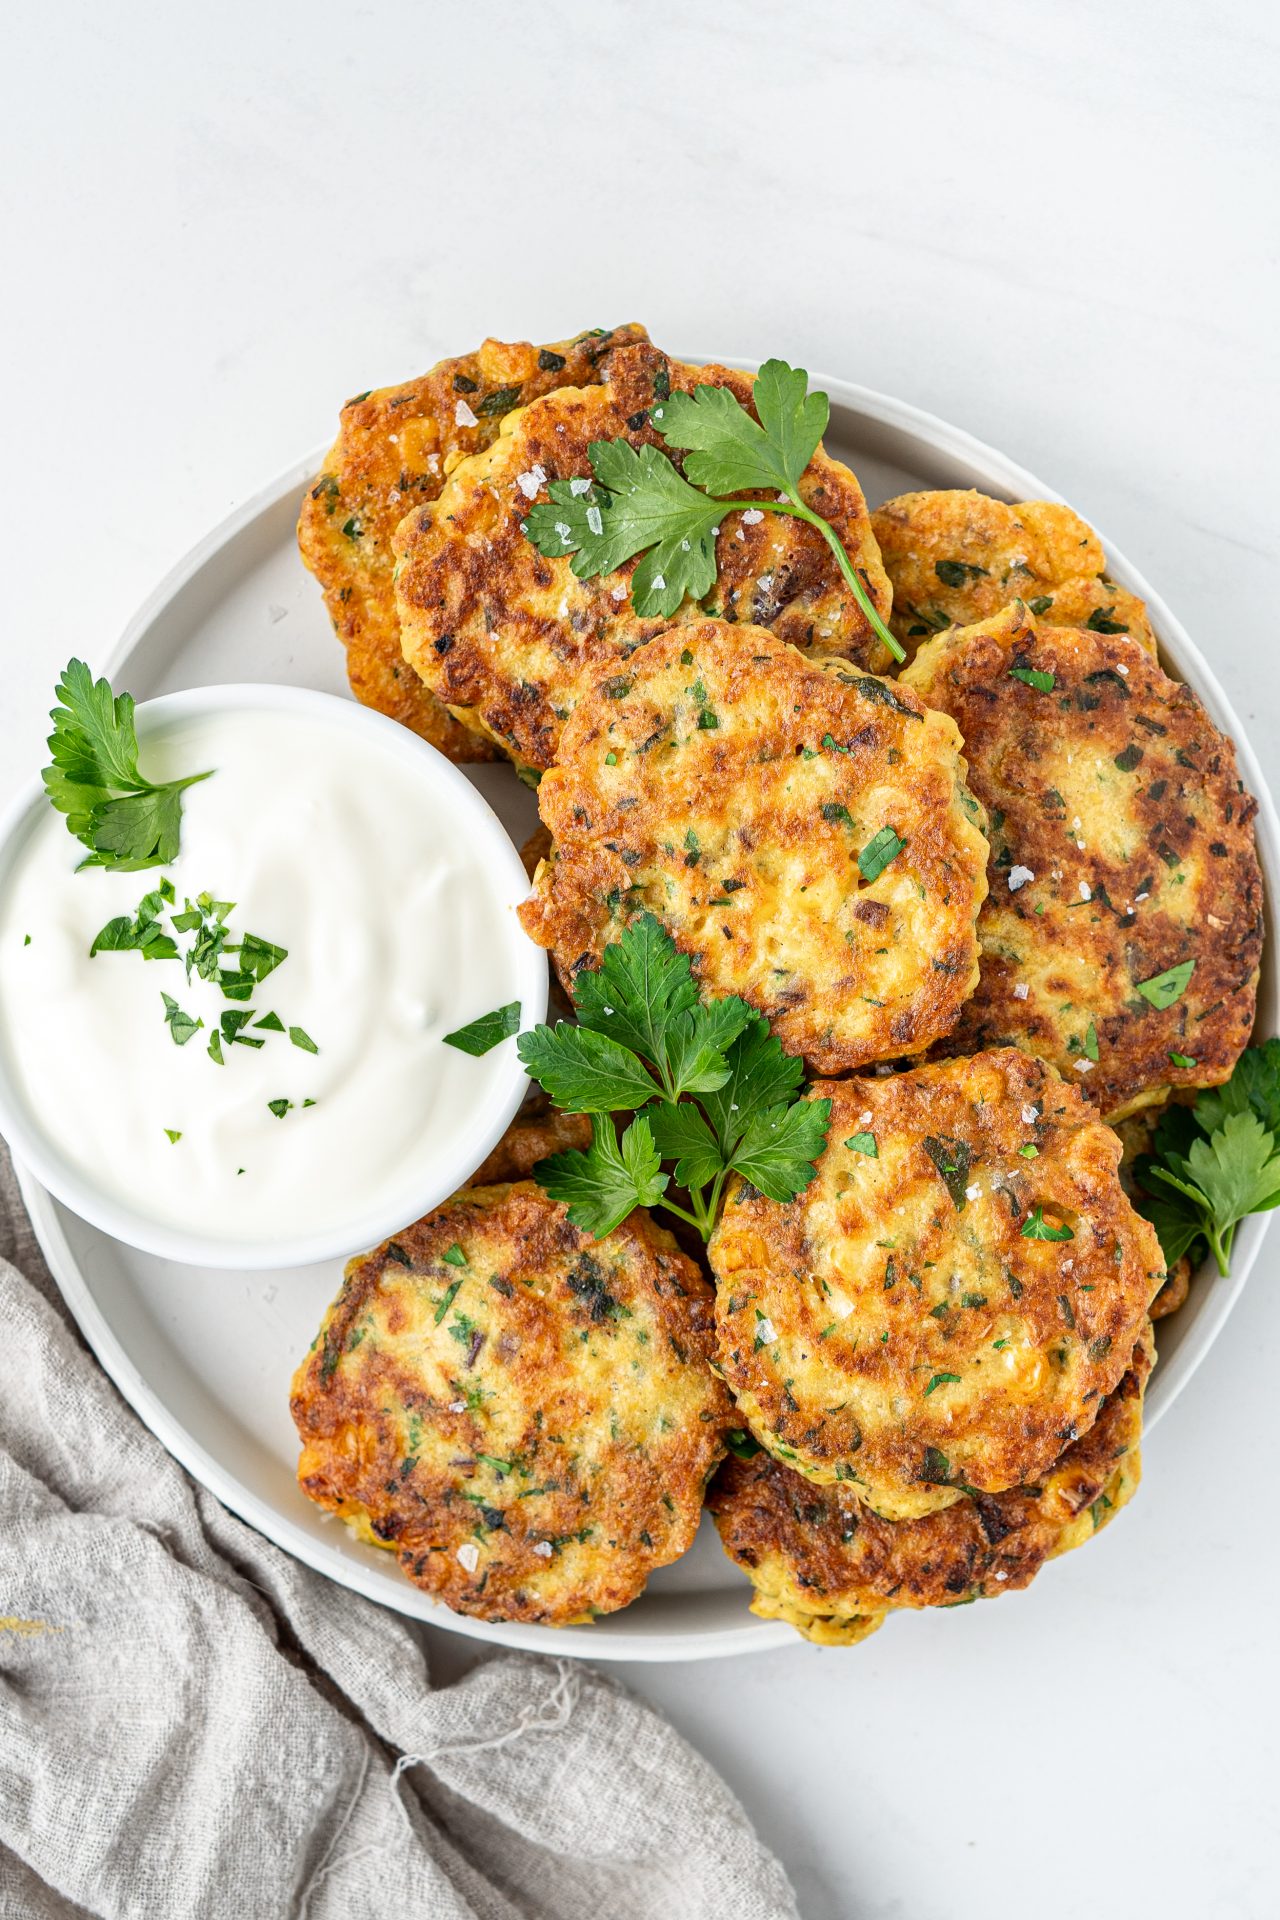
(937, 1322)
(939, 1343)
(1026, 863)
(827, 1564)
(395, 449)
(511, 641)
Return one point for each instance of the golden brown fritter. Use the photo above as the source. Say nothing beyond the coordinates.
(957, 557)
(903, 1326)
(1121, 847)
(394, 450)
(525, 1415)
(834, 1570)
(511, 641)
(731, 786)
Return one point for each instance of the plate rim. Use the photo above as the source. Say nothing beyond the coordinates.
(642, 1645)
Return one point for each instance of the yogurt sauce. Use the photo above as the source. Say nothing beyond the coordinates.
(397, 931)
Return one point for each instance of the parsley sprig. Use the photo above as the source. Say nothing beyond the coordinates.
(640, 502)
(126, 821)
(718, 1094)
(1216, 1162)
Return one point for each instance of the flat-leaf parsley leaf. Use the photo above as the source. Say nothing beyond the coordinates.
(880, 851)
(729, 452)
(126, 821)
(1215, 1163)
(1038, 1228)
(778, 1151)
(603, 1185)
(586, 1072)
(718, 1092)
(181, 1025)
(1033, 677)
(482, 1035)
(1162, 989)
(641, 504)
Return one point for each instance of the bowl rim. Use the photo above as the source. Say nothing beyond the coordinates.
(487, 843)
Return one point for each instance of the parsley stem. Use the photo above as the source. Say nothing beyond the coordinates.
(717, 1189)
(705, 1211)
(799, 511)
(682, 1213)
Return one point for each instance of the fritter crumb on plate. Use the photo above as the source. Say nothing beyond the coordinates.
(802, 830)
(527, 1417)
(511, 642)
(956, 557)
(1122, 851)
(834, 1570)
(947, 1305)
(394, 450)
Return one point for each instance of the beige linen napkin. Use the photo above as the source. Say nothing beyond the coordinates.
(193, 1724)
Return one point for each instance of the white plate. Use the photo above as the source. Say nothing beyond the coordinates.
(206, 1357)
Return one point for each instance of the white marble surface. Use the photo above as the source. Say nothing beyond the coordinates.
(1052, 225)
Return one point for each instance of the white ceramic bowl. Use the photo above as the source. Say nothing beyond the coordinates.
(478, 1130)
